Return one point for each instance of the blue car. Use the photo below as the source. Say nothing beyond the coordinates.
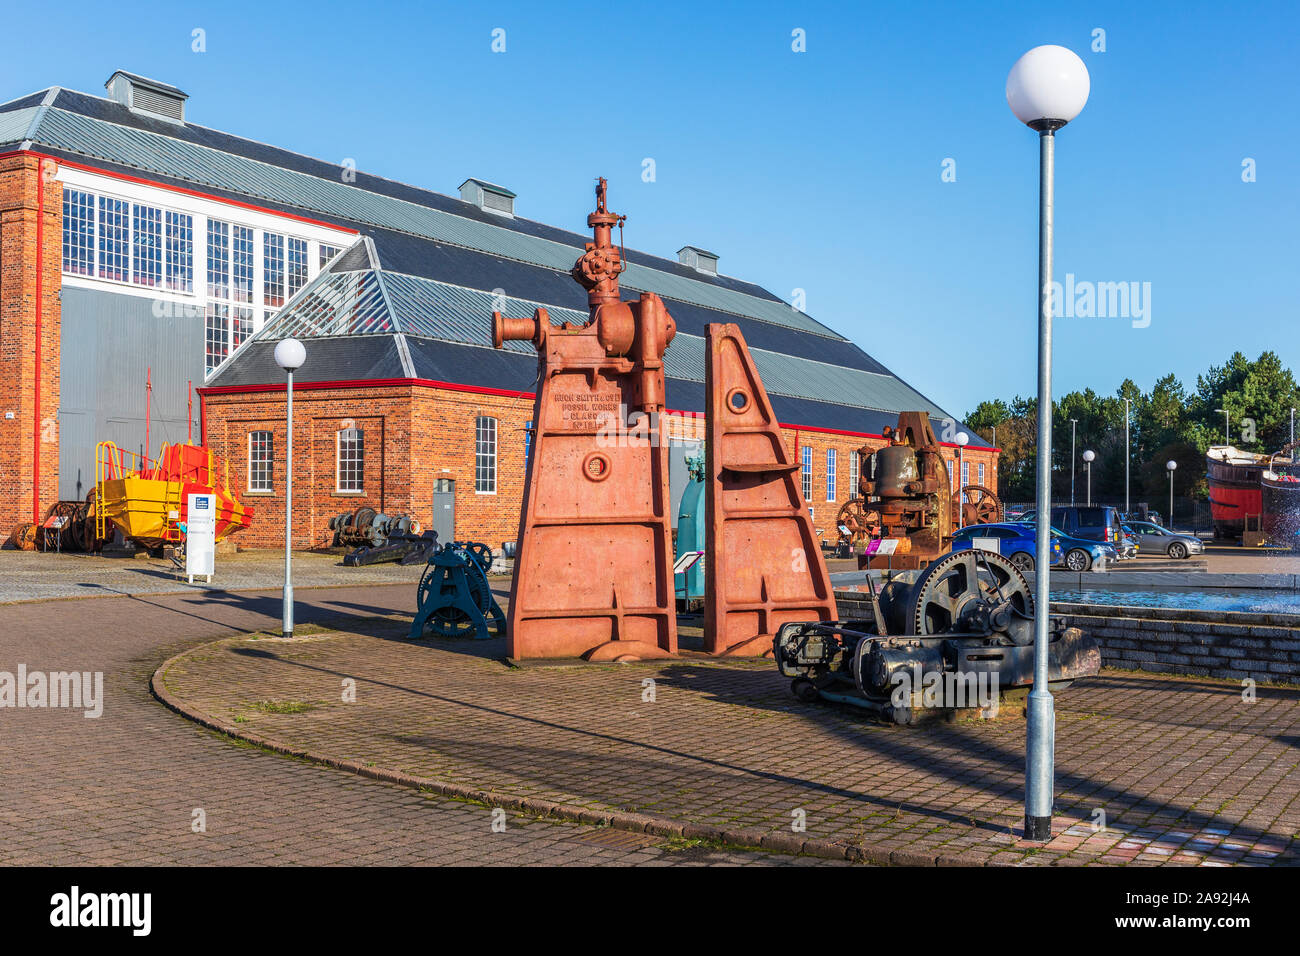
(1079, 554)
(1015, 542)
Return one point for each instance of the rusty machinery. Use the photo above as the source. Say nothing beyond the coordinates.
(932, 638)
(377, 538)
(903, 497)
(763, 562)
(593, 575)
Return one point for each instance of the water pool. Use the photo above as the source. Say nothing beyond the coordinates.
(1259, 601)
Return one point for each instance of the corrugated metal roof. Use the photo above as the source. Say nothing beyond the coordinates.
(203, 165)
(14, 124)
(369, 302)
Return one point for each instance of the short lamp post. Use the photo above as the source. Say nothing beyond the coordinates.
(289, 355)
(1170, 465)
(1088, 456)
(1046, 88)
(962, 440)
(1227, 437)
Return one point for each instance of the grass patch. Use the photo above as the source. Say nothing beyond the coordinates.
(283, 706)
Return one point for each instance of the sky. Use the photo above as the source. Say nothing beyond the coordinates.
(879, 169)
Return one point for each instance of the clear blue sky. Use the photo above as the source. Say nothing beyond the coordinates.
(818, 170)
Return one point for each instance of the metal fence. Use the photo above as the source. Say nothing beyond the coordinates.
(1190, 514)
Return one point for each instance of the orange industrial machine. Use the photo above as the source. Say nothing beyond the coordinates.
(593, 573)
(763, 561)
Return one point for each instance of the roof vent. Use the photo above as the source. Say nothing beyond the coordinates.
(488, 196)
(701, 260)
(146, 96)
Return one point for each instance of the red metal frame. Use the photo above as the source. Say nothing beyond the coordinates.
(763, 560)
(593, 571)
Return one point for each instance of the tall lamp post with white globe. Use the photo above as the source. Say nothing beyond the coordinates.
(289, 355)
(1170, 465)
(1046, 88)
(1088, 456)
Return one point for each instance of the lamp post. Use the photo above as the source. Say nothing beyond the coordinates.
(1227, 438)
(1128, 455)
(962, 440)
(1170, 465)
(1293, 448)
(1088, 456)
(1074, 422)
(1046, 88)
(289, 355)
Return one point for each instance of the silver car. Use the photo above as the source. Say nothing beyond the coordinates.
(1153, 539)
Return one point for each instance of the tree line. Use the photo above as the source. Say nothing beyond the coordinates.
(1167, 422)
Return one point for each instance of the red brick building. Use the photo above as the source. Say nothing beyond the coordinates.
(135, 243)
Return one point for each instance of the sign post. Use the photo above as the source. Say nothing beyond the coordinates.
(201, 536)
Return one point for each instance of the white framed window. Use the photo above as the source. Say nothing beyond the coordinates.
(806, 471)
(855, 463)
(78, 232)
(980, 471)
(218, 259)
(261, 450)
(831, 455)
(216, 334)
(241, 326)
(146, 245)
(485, 455)
(114, 239)
(326, 253)
(965, 472)
(351, 461)
(297, 266)
(241, 264)
(180, 252)
(272, 269)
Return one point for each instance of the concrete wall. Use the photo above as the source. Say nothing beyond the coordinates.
(111, 342)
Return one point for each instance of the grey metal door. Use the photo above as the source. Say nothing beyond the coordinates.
(444, 509)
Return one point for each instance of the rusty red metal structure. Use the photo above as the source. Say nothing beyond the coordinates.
(903, 497)
(763, 562)
(593, 573)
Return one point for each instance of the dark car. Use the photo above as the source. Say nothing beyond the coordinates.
(1096, 523)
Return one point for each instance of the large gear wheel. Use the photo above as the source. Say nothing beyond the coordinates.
(854, 522)
(975, 504)
(973, 592)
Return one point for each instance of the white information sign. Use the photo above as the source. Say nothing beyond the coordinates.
(201, 535)
(987, 544)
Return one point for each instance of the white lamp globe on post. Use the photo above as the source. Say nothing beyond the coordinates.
(962, 440)
(290, 356)
(1170, 465)
(1046, 88)
(1088, 456)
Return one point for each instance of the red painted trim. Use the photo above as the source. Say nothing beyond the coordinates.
(480, 390)
(40, 301)
(198, 194)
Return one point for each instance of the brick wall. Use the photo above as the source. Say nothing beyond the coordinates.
(415, 435)
(21, 178)
(1231, 644)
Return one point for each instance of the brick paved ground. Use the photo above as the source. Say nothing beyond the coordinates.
(123, 788)
(1184, 771)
